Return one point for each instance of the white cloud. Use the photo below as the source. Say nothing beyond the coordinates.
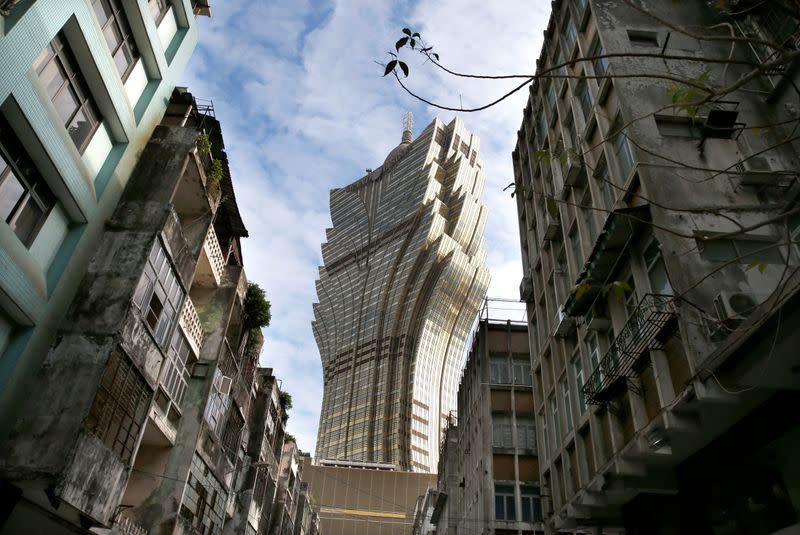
(304, 109)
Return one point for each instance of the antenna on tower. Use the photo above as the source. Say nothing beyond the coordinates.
(408, 127)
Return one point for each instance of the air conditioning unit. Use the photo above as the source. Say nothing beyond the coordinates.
(564, 325)
(526, 289)
(755, 171)
(733, 308)
(572, 170)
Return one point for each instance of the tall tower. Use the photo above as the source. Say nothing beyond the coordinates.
(403, 278)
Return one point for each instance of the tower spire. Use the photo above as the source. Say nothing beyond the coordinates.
(408, 127)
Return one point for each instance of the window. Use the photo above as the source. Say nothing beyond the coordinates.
(567, 403)
(531, 504)
(588, 215)
(541, 129)
(158, 8)
(217, 404)
(579, 382)
(577, 254)
(504, 508)
(522, 371)
(120, 406)
(545, 438)
(526, 433)
(59, 74)
(594, 351)
(159, 294)
(570, 33)
(25, 198)
(204, 499)
(599, 63)
(622, 149)
(551, 99)
(656, 270)
(174, 375)
(498, 370)
(743, 251)
(231, 438)
(604, 183)
(556, 423)
(501, 431)
(118, 35)
(643, 38)
(584, 98)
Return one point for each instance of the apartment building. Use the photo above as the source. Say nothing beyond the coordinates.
(488, 476)
(660, 267)
(143, 398)
(84, 84)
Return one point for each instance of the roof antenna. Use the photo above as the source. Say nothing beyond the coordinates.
(408, 127)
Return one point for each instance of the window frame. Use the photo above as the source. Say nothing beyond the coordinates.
(118, 20)
(621, 144)
(35, 188)
(162, 8)
(73, 81)
(504, 495)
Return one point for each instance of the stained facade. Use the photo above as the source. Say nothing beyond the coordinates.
(404, 275)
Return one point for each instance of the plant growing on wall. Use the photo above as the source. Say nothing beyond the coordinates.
(257, 311)
(286, 400)
(203, 144)
(216, 172)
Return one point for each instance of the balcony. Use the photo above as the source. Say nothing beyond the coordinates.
(572, 169)
(564, 324)
(648, 328)
(211, 265)
(192, 328)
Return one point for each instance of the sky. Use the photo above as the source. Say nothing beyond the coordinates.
(304, 108)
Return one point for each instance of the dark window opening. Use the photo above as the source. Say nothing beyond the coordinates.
(643, 38)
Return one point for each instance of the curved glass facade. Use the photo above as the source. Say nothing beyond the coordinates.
(403, 279)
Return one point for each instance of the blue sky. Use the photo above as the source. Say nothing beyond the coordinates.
(304, 109)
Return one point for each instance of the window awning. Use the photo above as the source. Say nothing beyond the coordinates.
(611, 245)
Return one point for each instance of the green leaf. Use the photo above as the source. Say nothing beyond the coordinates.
(407, 31)
(401, 43)
(404, 68)
(435, 55)
(543, 155)
(563, 158)
(413, 43)
(390, 67)
(618, 289)
(760, 264)
(416, 34)
(552, 206)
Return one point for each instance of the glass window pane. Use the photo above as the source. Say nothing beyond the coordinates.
(52, 77)
(103, 11)
(80, 128)
(113, 37)
(27, 220)
(42, 59)
(11, 191)
(66, 103)
(123, 58)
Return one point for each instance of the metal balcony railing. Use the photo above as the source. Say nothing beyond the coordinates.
(651, 323)
(192, 328)
(126, 526)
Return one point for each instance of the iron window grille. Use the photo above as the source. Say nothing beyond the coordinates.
(120, 406)
(118, 35)
(204, 499)
(25, 198)
(231, 437)
(58, 71)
